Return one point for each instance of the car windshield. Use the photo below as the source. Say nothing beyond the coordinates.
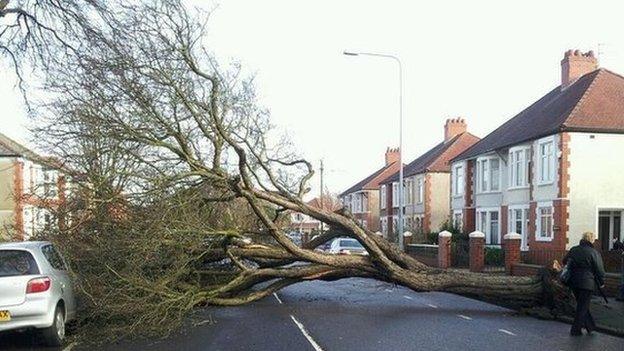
(17, 262)
(351, 243)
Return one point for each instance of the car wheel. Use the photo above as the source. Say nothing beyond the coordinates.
(55, 334)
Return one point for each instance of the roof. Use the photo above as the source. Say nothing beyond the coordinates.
(329, 203)
(373, 180)
(594, 103)
(10, 147)
(438, 158)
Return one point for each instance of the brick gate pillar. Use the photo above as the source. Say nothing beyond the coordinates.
(511, 244)
(444, 249)
(477, 251)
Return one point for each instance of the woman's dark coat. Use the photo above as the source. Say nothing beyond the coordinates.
(587, 268)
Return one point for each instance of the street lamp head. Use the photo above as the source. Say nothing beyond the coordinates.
(349, 53)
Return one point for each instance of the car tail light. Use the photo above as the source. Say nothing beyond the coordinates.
(38, 285)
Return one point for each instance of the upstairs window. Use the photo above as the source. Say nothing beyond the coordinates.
(488, 174)
(519, 167)
(546, 160)
(421, 190)
(382, 197)
(458, 180)
(395, 194)
(409, 192)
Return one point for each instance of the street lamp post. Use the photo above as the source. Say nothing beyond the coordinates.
(401, 185)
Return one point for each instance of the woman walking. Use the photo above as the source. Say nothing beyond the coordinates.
(587, 274)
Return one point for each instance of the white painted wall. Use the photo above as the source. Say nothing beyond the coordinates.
(596, 180)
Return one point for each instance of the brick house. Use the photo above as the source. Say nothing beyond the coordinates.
(306, 225)
(427, 183)
(554, 170)
(362, 199)
(31, 188)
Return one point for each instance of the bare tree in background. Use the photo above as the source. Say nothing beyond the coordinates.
(146, 114)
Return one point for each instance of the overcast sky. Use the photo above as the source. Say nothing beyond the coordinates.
(481, 60)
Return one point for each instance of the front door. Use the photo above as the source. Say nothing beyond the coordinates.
(609, 228)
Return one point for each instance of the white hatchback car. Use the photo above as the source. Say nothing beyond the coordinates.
(35, 290)
(347, 246)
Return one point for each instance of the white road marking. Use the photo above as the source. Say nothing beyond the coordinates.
(432, 305)
(70, 346)
(306, 334)
(464, 317)
(408, 297)
(277, 298)
(506, 332)
(388, 290)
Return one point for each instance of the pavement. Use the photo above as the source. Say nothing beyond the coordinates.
(609, 316)
(359, 314)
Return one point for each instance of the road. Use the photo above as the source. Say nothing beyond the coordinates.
(358, 314)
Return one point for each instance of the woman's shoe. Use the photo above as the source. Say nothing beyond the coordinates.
(576, 333)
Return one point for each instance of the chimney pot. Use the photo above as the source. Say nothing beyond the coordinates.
(454, 127)
(575, 65)
(392, 155)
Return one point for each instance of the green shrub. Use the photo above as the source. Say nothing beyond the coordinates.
(494, 256)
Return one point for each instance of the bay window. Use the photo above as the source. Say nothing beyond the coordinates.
(488, 174)
(420, 187)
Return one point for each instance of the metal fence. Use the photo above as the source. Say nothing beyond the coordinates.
(460, 254)
(543, 257)
(427, 254)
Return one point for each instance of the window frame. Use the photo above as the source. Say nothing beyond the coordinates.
(420, 186)
(525, 218)
(384, 225)
(525, 151)
(488, 160)
(395, 194)
(458, 224)
(382, 196)
(457, 182)
(538, 222)
(486, 231)
(409, 191)
(553, 161)
(52, 255)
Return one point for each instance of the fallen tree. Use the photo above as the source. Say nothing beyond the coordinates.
(145, 89)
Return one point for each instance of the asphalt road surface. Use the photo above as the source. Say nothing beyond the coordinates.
(358, 314)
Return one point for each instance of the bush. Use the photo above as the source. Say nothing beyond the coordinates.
(494, 256)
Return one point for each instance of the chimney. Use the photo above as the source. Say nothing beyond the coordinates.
(392, 156)
(454, 127)
(576, 64)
